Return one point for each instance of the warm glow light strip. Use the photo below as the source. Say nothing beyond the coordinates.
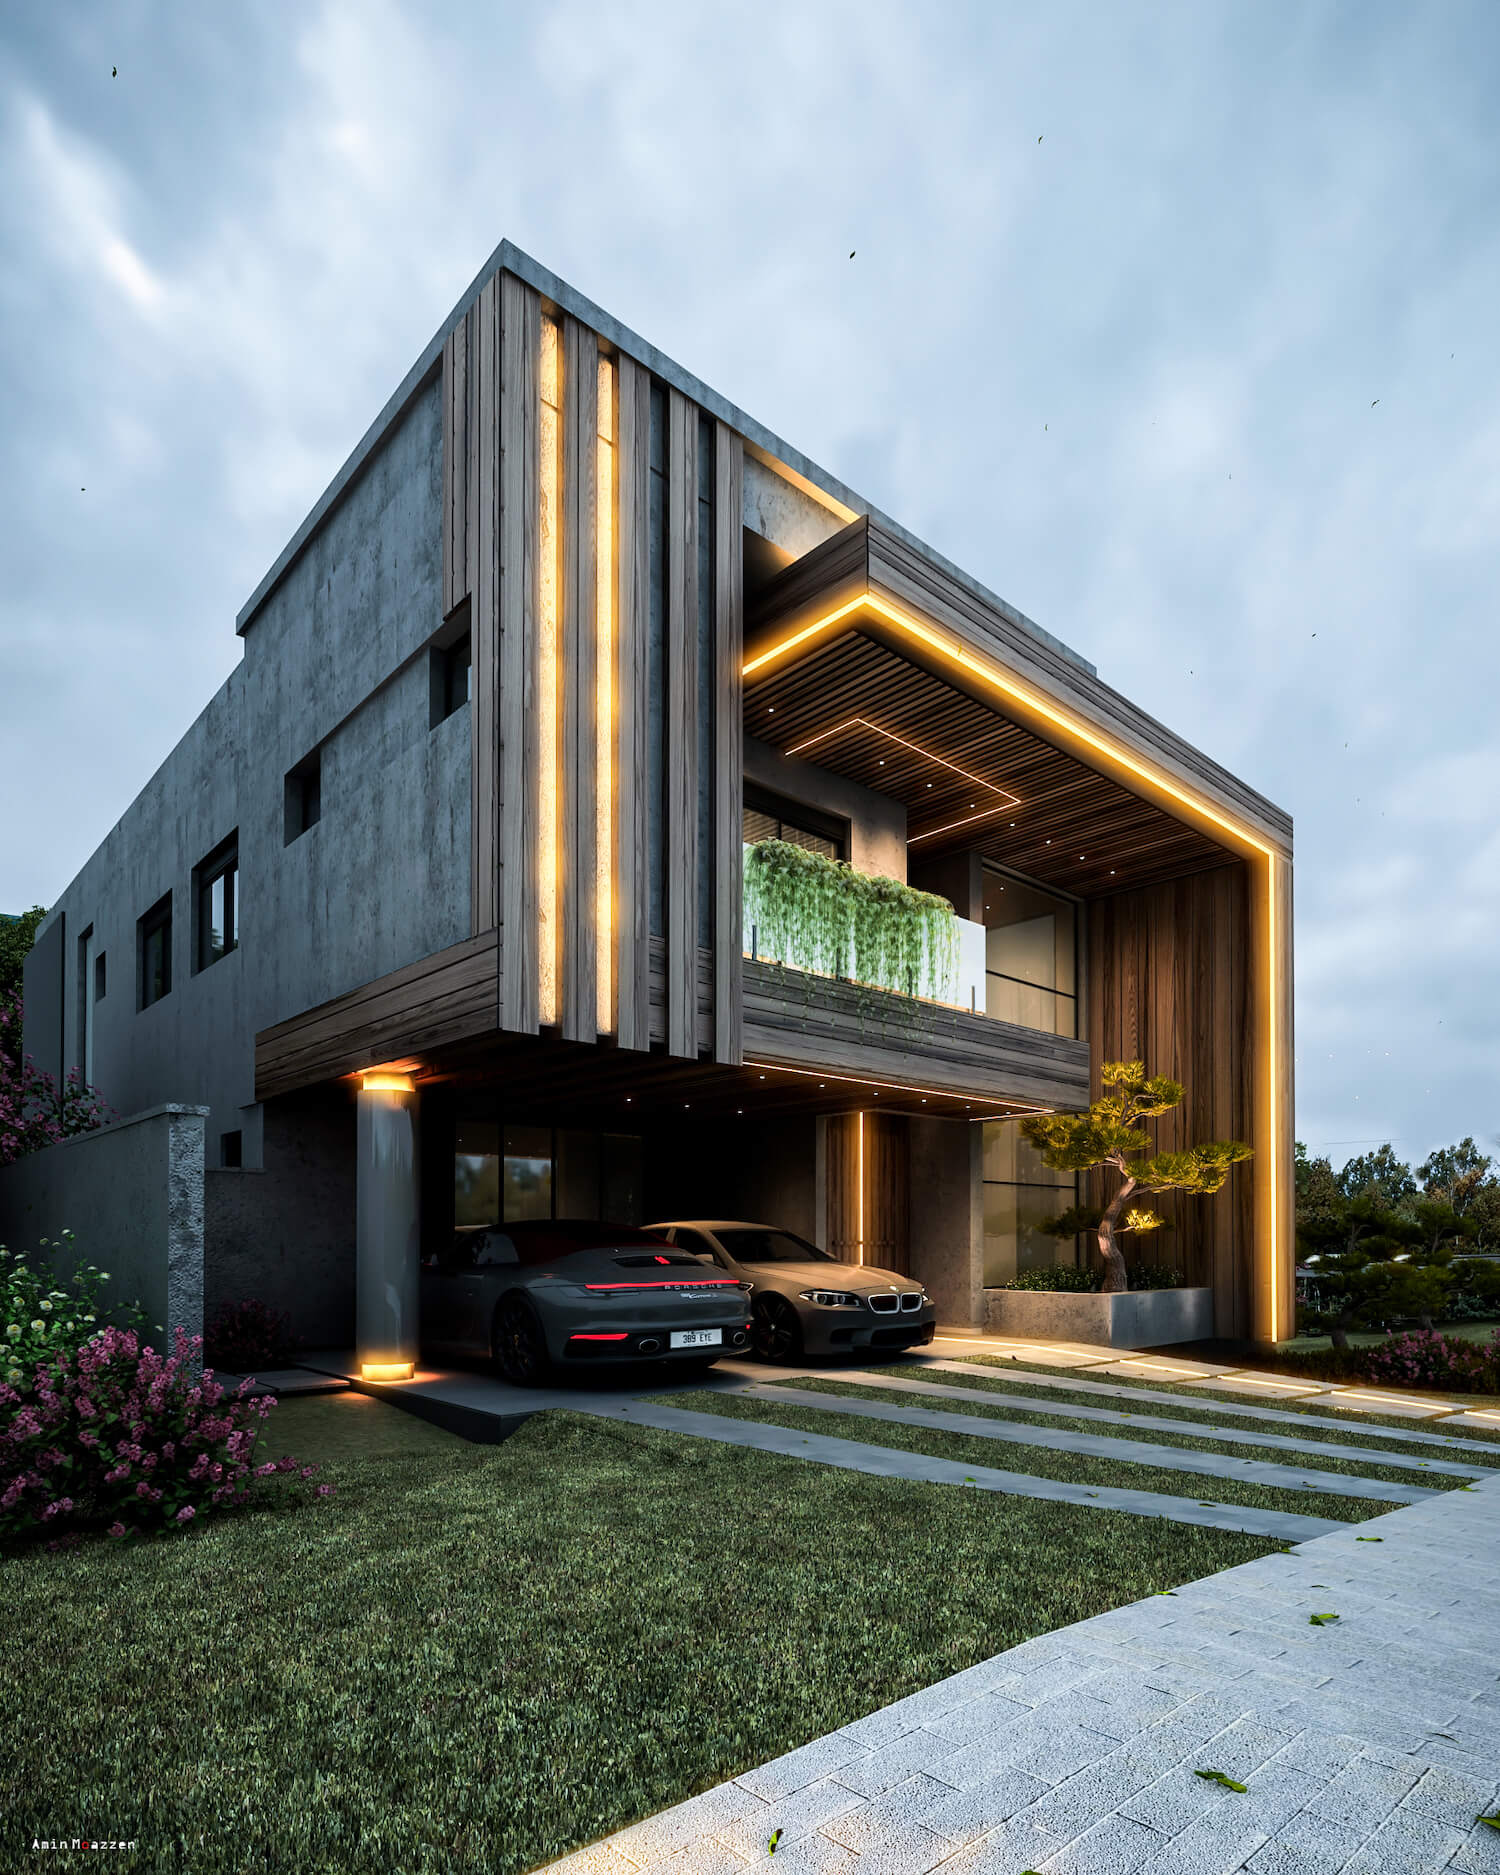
(890, 735)
(996, 679)
(604, 702)
(547, 702)
(383, 1082)
(968, 820)
(866, 1080)
(859, 1178)
(386, 1370)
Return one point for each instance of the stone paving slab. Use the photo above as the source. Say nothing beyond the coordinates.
(1146, 1422)
(888, 1461)
(1074, 1753)
(1270, 1415)
(1100, 1445)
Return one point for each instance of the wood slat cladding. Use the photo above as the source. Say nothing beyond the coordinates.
(896, 574)
(868, 1185)
(632, 611)
(806, 1022)
(1170, 986)
(1063, 809)
(728, 776)
(517, 424)
(438, 1000)
(682, 724)
(578, 685)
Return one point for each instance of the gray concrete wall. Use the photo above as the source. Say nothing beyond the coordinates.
(283, 1233)
(947, 1217)
(1142, 1318)
(132, 1194)
(338, 661)
(877, 824)
(784, 514)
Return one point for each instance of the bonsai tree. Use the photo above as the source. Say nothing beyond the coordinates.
(1108, 1135)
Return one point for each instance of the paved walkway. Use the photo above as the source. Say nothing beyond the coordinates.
(1369, 1745)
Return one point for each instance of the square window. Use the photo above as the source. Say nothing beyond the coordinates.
(302, 797)
(229, 1148)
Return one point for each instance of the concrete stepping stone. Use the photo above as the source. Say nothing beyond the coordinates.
(888, 1461)
(1100, 1445)
(1270, 1414)
(1150, 1422)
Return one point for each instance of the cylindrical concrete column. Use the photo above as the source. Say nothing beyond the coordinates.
(387, 1240)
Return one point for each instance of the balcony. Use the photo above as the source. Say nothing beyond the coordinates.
(861, 976)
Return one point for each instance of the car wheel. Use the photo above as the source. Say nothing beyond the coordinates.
(520, 1347)
(777, 1332)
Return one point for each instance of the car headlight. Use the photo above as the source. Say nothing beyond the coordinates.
(830, 1298)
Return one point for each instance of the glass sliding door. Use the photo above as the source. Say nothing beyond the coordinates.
(1031, 966)
(1020, 1194)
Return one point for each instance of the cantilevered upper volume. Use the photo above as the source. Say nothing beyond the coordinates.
(588, 745)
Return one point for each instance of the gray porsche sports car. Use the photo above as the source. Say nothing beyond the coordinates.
(804, 1300)
(560, 1293)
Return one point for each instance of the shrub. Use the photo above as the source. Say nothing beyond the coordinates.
(246, 1335)
(38, 1323)
(34, 1110)
(1060, 1280)
(120, 1437)
(1155, 1276)
(1425, 1358)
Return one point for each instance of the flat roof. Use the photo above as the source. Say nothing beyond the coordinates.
(775, 452)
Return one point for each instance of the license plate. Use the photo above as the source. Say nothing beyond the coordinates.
(697, 1337)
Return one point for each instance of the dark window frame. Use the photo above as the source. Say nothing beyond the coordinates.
(450, 669)
(222, 863)
(232, 1150)
(788, 812)
(156, 921)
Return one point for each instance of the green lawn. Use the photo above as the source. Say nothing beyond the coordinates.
(1036, 1461)
(478, 1658)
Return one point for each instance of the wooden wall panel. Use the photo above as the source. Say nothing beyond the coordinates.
(519, 484)
(682, 725)
(869, 1152)
(478, 541)
(728, 779)
(439, 999)
(632, 605)
(1169, 985)
(577, 679)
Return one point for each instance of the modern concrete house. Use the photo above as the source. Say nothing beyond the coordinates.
(439, 907)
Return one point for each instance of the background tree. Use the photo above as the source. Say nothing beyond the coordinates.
(1380, 1175)
(1109, 1135)
(17, 935)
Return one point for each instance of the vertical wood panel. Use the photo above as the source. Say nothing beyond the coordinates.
(448, 575)
(482, 528)
(632, 603)
(682, 726)
(729, 1023)
(457, 491)
(578, 1005)
(520, 364)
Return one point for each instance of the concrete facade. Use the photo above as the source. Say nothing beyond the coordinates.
(1143, 1318)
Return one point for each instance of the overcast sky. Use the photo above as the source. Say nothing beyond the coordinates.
(1174, 324)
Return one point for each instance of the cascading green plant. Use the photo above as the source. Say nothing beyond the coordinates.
(819, 915)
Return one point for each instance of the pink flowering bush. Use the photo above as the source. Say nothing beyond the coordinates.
(115, 1436)
(40, 1320)
(1443, 1363)
(34, 1111)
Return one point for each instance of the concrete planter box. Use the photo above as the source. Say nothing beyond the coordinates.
(1141, 1318)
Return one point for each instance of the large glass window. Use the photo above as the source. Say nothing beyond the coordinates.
(528, 1172)
(476, 1174)
(1020, 1193)
(217, 910)
(154, 940)
(1030, 955)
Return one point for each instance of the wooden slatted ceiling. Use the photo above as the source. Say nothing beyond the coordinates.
(1065, 809)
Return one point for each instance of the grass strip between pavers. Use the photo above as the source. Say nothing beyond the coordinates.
(1362, 1463)
(1033, 1461)
(1326, 1421)
(477, 1658)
